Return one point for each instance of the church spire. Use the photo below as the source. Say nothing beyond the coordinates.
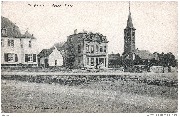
(129, 21)
(129, 7)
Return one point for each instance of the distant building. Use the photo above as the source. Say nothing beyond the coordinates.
(90, 50)
(16, 48)
(130, 52)
(50, 57)
(129, 37)
(114, 60)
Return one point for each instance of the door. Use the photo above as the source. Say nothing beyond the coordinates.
(46, 63)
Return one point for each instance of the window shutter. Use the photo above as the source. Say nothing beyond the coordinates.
(5, 57)
(34, 57)
(26, 57)
(8, 42)
(16, 58)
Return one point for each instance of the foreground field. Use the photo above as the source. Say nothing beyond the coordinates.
(105, 95)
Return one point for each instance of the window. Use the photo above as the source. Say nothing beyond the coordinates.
(4, 31)
(30, 44)
(101, 49)
(10, 57)
(87, 48)
(97, 48)
(10, 43)
(104, 48)
(34, 57)
(133, 34)
(2, 42)
(87, 61)
(79, 48)
(92, 61)
(30, 57)
(55, 62)
(101, 61)
(21, 42)
(92, 48)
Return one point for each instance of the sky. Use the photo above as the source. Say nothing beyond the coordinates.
(156, 23)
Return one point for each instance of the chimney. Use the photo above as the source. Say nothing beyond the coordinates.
(75, 31)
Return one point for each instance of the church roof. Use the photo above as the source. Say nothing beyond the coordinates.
(144, 54)
(129, 21)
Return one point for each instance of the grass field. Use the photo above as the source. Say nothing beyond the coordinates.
(121, 94)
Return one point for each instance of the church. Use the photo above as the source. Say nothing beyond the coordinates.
(130, 50)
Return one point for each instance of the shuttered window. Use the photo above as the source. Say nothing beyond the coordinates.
(5, 57)
(16, 58)
(26, 57)
(34, 57)
(30, 57)
(10, 57)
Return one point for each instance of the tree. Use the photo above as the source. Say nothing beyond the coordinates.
(69, 57)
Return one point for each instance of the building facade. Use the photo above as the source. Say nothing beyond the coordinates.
(16, 48)
(90, 50)
(50, 57)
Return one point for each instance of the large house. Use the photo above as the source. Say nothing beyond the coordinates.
(90, 49)
(16, 48)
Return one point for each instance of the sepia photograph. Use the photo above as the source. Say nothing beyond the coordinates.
(89, 57)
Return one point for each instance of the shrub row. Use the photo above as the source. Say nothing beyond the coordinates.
(79, 79)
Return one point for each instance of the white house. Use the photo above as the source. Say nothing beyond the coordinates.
(50, 57)
(16, 48)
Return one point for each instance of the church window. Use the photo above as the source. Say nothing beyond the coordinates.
(79, 49)
(133, 34)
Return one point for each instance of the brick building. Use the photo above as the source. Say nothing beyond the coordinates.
(90, 50)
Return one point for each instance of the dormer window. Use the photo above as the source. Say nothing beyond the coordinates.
(30, 44)
(4, 31)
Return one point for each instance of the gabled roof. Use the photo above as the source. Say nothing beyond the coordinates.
(28, 35)
(45, 52)
(12, 30)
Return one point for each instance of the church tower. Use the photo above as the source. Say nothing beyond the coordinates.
(129, 36)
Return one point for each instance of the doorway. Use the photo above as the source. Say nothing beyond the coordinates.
(46, 65)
